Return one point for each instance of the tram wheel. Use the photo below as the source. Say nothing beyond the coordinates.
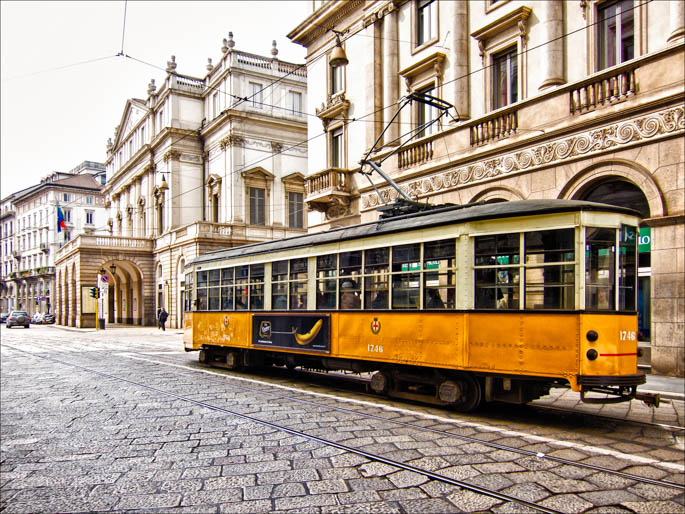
(469, 390)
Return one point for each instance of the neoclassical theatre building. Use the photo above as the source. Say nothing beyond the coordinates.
(199, 164)
(551, 99)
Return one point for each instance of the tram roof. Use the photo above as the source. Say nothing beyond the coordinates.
(431, 218)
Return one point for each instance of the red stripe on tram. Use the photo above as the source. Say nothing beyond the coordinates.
(615, 354)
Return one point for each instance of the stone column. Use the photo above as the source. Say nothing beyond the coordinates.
(676, 13)
(391, 59)
(459, 16)
(552, 58)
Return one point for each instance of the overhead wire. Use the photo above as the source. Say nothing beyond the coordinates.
(346, 121)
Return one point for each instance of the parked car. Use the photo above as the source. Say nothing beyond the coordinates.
(3, 317)
(48, 319)
(37, 318)
(18, 319)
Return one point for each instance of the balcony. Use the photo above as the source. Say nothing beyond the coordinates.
(119, 243)
(415, 154)
(328, 190)
(45, 247)
(495, 126)
(606, 88)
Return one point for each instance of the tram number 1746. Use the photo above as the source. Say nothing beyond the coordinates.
(375, 348)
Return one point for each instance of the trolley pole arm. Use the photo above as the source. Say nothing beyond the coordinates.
(390, 181)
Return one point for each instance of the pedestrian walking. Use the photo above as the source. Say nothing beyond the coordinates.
(159, 311)
(163, 315)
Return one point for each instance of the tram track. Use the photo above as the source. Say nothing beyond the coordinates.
(297, 433)
(363, 382)
(378, 458)
(467, 439)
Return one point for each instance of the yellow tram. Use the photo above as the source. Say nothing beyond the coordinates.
(455, 305)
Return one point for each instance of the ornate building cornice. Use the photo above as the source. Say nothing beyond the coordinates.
(610, 137)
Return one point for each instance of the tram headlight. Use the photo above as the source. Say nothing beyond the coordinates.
(591, 354)
(592, 336)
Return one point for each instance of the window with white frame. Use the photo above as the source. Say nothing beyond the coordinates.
(67, 215)
(257, 206)
(89, 200)
(504, 78)
(295, 103)
(426, 21)
(89, 217)
(66, 197)
(255, 97)
(615, 33)
(337, 160)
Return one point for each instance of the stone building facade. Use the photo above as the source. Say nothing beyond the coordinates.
(31, 237)
(551, 99)
(199, 164)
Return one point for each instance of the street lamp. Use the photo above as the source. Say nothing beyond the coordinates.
(113, 269)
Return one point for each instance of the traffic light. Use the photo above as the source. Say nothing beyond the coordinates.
(95, 292)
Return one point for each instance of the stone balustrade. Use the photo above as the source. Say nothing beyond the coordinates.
(603, 89)
(493, 127)
(415, 154)
(330, 180)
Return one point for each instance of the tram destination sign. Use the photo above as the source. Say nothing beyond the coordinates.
(295, 331)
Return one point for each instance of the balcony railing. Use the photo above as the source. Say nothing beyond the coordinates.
(332, 180)
(415, 154)
(604, 89)
(498, 125)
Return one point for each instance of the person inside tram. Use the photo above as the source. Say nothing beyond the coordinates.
(380, 301)
(349, 298)
(434, 301)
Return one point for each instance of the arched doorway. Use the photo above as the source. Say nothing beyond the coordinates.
(621, 192)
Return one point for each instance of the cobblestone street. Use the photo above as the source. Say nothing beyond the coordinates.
(126, 420)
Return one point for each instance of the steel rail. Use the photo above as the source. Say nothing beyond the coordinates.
(465, 438)
(378, 458)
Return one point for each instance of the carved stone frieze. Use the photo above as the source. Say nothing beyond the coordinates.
(614, 136)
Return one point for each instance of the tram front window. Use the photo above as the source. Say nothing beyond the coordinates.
(600, 255)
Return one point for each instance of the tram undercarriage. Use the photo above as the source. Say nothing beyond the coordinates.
(462, 391)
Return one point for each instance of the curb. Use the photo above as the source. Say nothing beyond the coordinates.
(665, 395)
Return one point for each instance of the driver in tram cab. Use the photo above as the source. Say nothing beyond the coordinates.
(349, 298)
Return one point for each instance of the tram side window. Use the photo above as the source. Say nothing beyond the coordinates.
(257, 286)
(497, 260)
(550, 284)
(600, 255)
(349, 280)
(406, 276)
(326, 280)
(201, 290)
(279, 285)
(214, 289)
(439, 274)
(376, 278)
(189, 293)
(227, 289)
(298, 284)
(627, 269)
(241, 290)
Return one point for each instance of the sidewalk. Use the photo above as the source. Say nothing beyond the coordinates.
(668, 387)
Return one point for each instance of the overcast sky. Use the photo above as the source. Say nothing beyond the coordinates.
(57, 113)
